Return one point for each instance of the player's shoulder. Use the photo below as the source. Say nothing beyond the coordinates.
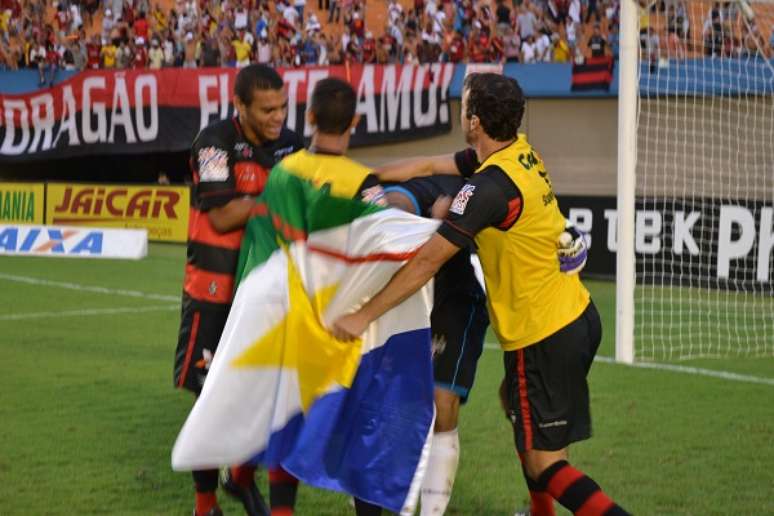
(221, 134)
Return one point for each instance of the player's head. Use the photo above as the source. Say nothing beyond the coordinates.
(333, 107)
(492, 105)
(261, 102)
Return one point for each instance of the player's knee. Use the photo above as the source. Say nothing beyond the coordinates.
(447, 407)
(537, 461)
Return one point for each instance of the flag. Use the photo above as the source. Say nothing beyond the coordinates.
(351, 417)
(596, 73)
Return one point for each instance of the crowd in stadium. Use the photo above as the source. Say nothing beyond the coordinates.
(120, 34)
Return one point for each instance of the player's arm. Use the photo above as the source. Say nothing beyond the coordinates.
(474, 209)
(233, 215)
(405, 169)
(462, 163)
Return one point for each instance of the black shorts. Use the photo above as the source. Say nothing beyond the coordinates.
(459, 325)
(546, 388)
(201, 325)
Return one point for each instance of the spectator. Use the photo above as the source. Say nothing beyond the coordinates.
(155, 55)
(51, 64)
(613, 39)
(592, 9)
(572, 39)
(597, 44)
(240, 17)
(574, 12)
(503, 15)
(334, 11)
(209, 56)
(62, 20)
(141, 26)
(529, 50)
(299, 6)
(394, 12)
(456, 48)
(123, 56)
(263, 48)
(241, 50)
(313, 24)
(108, 54)
(369, 48)
(169, 50)
(543, 47)
(526, 22)
(512, 43)
(140, 58)
(291, 15)
(78, 49)
(93, 53)
(76, 20)
(190, 51)
(560, 49)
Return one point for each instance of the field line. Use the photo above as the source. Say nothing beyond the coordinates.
(88, 312)
(723, 375)
(87, 288)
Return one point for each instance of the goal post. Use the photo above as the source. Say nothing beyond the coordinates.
(695, 200)
(628, 91)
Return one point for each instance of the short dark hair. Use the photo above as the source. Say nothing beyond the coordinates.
(333, 104)
(497, 101)
(255, 77)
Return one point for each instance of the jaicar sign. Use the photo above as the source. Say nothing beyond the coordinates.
(162, 210)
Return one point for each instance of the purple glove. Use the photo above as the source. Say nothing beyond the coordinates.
(572, 251)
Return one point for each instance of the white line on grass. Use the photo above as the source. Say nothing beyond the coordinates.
(723, 375)
(87, 312)
(88, 288)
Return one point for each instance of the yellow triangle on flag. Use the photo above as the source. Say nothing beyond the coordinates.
(301, 342)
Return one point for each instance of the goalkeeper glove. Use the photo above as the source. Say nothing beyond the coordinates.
(572, 251)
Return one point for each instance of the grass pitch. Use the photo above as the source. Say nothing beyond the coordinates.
(88, 414)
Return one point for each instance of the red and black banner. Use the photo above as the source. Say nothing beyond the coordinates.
(145, 111)
(596, 73)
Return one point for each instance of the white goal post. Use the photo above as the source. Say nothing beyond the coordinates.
(695, 200)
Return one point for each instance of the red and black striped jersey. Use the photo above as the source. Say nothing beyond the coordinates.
(225, 166)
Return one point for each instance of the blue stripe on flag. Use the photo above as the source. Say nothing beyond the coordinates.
(367, 440)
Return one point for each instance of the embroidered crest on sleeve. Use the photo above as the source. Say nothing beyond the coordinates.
(213, 164)
(462, 198)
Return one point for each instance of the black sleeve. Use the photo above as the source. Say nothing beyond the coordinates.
(489, 198)
(466, 161)
(214, 183)
(424, 191)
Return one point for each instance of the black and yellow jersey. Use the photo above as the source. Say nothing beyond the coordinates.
(508, 208)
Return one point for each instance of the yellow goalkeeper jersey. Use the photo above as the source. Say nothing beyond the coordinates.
(529, 297)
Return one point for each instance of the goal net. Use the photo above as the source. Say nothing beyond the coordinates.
(704, 217)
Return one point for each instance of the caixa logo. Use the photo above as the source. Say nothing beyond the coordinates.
(50, 241)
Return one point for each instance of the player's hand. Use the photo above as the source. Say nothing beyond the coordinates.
(441, 207)
(350, 327)
(572, 251)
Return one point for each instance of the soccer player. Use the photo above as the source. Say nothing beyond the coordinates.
(230, 162)
(545, 321)
(332, 114)
(458, 323)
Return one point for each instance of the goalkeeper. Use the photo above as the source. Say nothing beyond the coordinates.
(545, 321)
(459, 318)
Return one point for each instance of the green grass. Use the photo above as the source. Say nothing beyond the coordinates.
(88, 414)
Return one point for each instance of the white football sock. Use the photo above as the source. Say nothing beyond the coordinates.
(441, 470)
